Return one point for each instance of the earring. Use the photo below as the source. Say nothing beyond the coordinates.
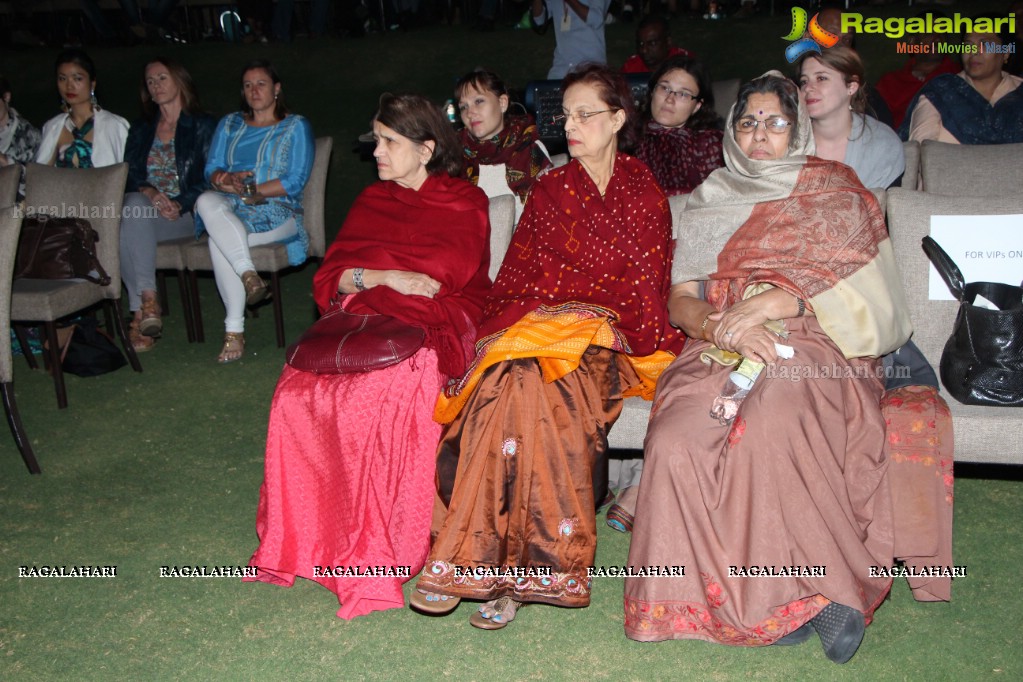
(92, 100)
(64, 106)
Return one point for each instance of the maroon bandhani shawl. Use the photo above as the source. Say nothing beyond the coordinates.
(611, 254)
(442, 230)
(515, 146)
(680, 158)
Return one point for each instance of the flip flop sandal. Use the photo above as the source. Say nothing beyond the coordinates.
(504, 609)
(432, 603)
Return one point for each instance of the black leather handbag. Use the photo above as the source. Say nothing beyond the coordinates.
(982, 363)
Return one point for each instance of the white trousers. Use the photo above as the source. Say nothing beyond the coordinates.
(229, 250)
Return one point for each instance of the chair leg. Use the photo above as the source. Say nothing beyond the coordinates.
(275, 292)
(161, 291)
(186, 307)
(109, 313)
(193, 284)
(110, 306)
(17, 430)
(53, 355)
(26, 349)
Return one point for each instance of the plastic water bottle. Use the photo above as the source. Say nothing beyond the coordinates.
(736, 388)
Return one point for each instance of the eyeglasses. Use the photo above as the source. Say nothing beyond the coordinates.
(667, 92)
(775, 124)
(580, 117)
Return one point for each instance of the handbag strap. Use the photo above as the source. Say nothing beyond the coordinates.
(945, 266)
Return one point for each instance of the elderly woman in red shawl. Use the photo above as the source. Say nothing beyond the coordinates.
(576, 320)
(350, 457)
(779, 514)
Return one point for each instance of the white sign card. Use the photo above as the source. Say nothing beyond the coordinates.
(987, 248)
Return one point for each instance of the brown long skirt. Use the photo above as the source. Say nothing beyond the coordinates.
(774, 516)
(517, 470)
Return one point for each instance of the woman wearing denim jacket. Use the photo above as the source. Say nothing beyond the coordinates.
(166, 154)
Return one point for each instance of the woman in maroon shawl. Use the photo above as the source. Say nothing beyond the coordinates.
(575, 321)
(348, 487)
(503, 154)
(780, 513)
(682, 140)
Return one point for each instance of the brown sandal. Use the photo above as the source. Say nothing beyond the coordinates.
(255, 287)
(150, 323)
(432, 603)
(139, 341)
(234, 348)
(496, 614)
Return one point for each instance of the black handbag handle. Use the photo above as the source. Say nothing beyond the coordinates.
(945, 266)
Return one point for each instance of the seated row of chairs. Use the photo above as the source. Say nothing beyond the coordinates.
(97, 194)
(978, 180)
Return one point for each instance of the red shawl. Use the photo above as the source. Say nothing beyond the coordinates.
(515, 146)
(612, 253)
(442, 230)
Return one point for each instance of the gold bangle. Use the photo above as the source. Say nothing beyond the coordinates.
(703, 327)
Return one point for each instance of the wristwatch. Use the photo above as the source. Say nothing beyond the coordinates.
(357, 278)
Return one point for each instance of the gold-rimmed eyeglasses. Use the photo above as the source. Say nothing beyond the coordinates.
(580, 117)
(772, 124)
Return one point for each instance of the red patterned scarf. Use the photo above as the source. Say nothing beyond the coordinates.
(442, 230)
(611, 253)
(515, 146)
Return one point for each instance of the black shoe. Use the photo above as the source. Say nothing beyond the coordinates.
(841, 631)
(803, 633)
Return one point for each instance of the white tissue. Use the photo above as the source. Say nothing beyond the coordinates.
(785, 352)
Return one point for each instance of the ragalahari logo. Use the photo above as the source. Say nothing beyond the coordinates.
(818, 37)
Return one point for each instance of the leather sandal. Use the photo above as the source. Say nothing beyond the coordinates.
(234, 348)
(139, 342)
(496, 614)
(433, 604)
(150, 323)
(255, 287)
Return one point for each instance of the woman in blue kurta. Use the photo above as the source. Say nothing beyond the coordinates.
(258, 164)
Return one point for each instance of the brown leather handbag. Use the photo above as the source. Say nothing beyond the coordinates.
(58, 248)
(341, 342)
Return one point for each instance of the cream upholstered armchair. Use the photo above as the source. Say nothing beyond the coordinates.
(97, 195)
(982, 434)
(272, 258)
(10, 176)
(10, 229)
(971, 170)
